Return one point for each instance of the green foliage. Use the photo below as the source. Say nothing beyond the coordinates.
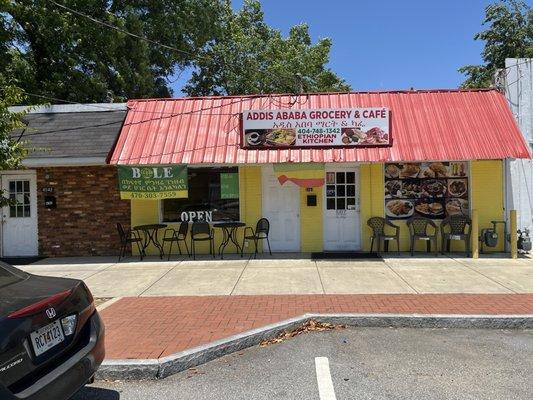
(249, 57)
(56, 53)
(12, 151)
(509, 35)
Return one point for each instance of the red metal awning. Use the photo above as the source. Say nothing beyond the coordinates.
(425, 125)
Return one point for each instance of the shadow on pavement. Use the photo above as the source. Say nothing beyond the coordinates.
(95, 393)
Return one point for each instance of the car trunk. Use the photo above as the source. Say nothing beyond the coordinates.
(29, 306)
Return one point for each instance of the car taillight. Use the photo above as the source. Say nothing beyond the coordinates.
(90, 297)
(69, 324)
(40, 305)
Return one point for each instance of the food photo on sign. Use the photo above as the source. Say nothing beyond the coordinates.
(316, 128)
(433, 190)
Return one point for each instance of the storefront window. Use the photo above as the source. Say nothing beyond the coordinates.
(213, 196)
(432, 189)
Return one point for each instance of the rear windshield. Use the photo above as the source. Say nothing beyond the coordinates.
(10, 275)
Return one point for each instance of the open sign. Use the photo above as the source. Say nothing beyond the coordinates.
(189, 216)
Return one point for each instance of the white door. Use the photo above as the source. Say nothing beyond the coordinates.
(281, 206)
(19, 222)
(342, 231)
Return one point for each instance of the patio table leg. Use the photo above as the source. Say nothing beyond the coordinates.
(233, 237)
(155, 240)
(145, 243)
(225, 240)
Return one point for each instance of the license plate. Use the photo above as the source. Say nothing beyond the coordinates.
(47, 337)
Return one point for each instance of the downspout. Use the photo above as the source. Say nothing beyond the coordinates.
(506, 173)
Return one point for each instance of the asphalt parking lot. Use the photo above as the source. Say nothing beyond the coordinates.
(364, 363)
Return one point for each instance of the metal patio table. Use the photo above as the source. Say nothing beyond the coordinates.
(150, 235)
(229, 230)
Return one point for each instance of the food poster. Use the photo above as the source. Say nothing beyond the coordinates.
(433, 190)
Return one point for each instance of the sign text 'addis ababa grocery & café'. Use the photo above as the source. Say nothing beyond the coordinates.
(353, 127)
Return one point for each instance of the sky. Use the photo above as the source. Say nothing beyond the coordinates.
(388, 44)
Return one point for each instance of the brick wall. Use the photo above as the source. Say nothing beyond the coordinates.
(88, 208)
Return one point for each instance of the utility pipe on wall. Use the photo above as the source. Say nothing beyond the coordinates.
(513, 234)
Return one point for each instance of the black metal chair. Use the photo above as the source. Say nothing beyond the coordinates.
(459, 227)
(177, 236)
(378, 226)
(418, 230)
(128, 237)
(201, 232)
(262, 228)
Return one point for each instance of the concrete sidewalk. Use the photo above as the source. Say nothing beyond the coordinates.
(292, 274)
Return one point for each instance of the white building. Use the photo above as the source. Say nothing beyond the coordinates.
(517, 81)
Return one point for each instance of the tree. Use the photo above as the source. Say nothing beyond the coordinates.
(12, 151)
(57, 53)
(249, 57)
(509, 35)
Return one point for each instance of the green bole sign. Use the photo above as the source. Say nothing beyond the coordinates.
(152, 181)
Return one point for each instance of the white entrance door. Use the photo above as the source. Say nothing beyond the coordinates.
(281, 206)
(342, 231)
(19, 222)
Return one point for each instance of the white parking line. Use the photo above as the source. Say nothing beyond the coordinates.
(323, 377)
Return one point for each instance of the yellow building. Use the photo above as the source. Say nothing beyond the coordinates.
(318, 166)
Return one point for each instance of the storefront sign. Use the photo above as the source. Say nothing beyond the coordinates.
(152, 182)
(431, 189)
(350, 127)
(229, 185)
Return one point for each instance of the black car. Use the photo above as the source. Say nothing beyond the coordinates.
(51, 337)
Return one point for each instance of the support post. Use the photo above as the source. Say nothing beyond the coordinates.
(474, 234)
(513, 234)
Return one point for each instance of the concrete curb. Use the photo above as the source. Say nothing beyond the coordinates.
(107, 303)
(130, 369)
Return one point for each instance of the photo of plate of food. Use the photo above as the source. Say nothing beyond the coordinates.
(393, 188)
(430, 208)
(412, 189)
(399, 208)
(457, 187)
(375, 135)
(352, 135)
(457, 169)
(410, 170)
(280, 137)
(435, 188)
(434, 170)
(392, 171)
(457, 207)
